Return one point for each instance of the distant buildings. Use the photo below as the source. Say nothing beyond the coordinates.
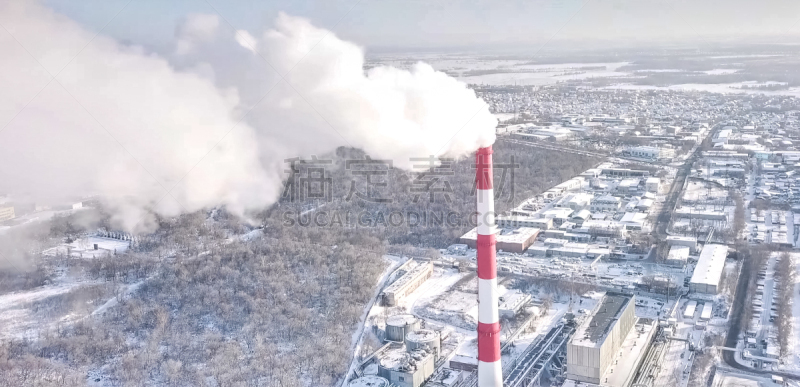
(650, 152)
(606, 203)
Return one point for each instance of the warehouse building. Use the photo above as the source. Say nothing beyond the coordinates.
(406, 284)
(597, 340)
(708, 272)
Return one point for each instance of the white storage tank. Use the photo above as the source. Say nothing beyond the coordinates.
(398, 326)
(424, 339)
(369, 381)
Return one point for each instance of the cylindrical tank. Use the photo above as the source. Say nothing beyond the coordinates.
(398, 326)
(369, 381)
(424, 338)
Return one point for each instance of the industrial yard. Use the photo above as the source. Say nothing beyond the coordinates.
(625, 275)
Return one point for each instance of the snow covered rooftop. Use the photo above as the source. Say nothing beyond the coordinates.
(592, 332)
(369, 381)
(710, 265)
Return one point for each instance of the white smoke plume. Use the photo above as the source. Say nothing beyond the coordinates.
(211, 122)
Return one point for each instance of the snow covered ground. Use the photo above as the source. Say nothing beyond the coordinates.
(723, 88)
(16, 315)
(85, 247)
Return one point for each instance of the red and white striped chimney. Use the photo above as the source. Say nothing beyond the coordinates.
(490, 374)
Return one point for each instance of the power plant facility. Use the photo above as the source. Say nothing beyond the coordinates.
(398, 326)
(437, 320)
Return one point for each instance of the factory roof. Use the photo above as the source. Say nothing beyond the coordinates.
(681, 238)
(473, 234)
(422, 335)
(607, 199)
(369, 381)
(512, 300)
(401, 319)
(592, 332)
(399, 360)
(710, 265)
(678, 253)
(633, 348)
(519, 235)
(633, 218)
(409, 276)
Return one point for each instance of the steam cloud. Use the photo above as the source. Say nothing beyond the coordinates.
(212, 121)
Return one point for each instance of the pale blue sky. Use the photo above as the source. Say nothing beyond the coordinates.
(438, 23)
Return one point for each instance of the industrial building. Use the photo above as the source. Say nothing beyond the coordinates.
(446, 377)
(683, 241)
(406, 284)
(517, 241)
(369, 381)
(697, 213)
(6, 213)
(651, 152)
(406, 369)
(515, 221)
(652, 184)
(678, 256)
(708, 272)
(398, 326)
(606, 203)
(511, 302)
(599, 337)
(424, 339)
(633, 220)
(514, 241)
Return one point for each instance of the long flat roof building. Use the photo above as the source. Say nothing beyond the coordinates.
(406, 284)
(708, 272)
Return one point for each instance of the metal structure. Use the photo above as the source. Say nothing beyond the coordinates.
(548, 353)
(398, 326)
(489, 367)
(647, 373)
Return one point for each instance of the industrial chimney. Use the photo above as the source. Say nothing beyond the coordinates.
(490, 373)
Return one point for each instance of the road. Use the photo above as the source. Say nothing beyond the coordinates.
(665, 215)
(736, 323)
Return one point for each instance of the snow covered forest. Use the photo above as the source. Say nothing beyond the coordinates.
(213, 300)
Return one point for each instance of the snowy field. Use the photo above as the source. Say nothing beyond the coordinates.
(722, 88)
(85, 247)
